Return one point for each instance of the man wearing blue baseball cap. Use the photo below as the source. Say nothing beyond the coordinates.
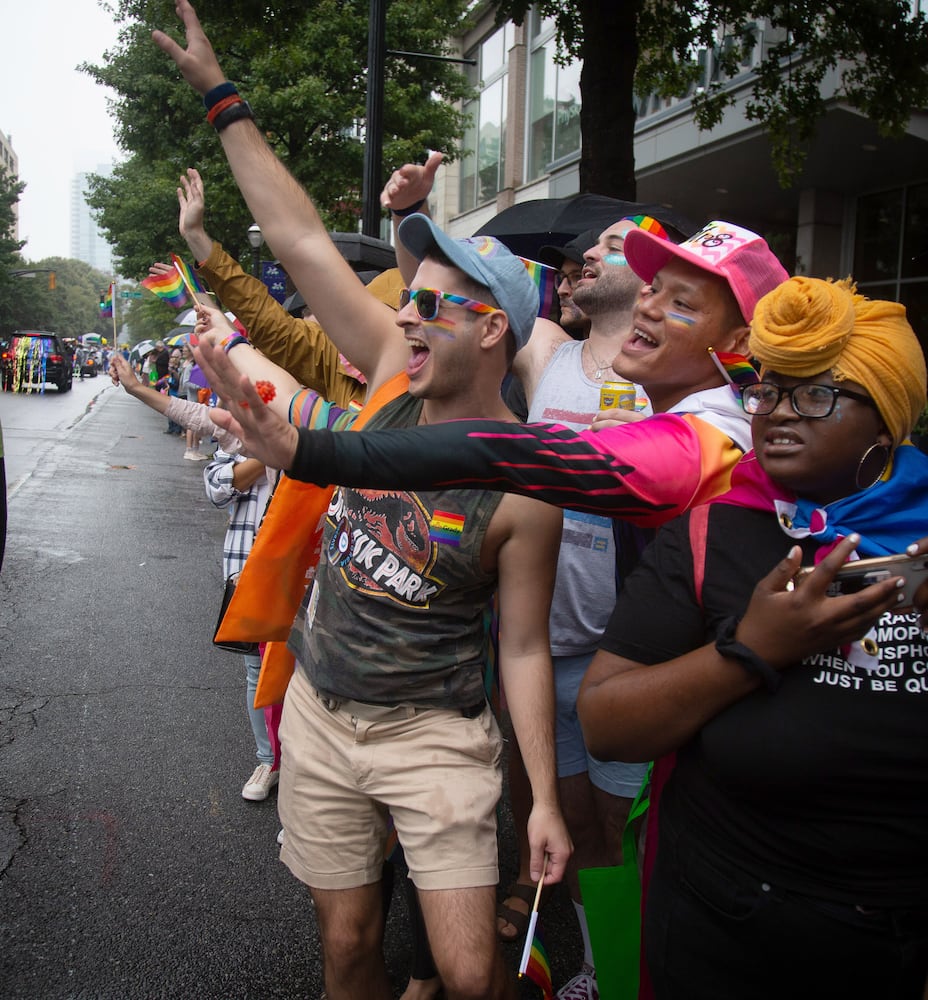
(386, 715)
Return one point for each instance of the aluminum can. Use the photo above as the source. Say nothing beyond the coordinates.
(617, 396)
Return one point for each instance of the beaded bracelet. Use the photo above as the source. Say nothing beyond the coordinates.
(411, 210)
(729, 647)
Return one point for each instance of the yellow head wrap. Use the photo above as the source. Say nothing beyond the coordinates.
(807, 326)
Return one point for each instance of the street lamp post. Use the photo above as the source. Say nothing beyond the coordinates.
(255, 239)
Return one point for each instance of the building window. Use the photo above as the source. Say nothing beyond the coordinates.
(482, 171)
(554, 101)
(891, 251)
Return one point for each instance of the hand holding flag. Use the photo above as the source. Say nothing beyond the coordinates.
(534, 963)
(166, 283)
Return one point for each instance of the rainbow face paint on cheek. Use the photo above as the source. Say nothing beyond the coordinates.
(441, 325)
(680, 319)
(615, 259)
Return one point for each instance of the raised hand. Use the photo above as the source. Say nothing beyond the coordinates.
(264, 434)
(197, 63)
(192, 200)
(411, 183)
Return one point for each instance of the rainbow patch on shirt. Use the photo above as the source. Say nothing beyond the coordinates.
(446, 528)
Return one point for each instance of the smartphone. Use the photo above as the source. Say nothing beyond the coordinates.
(852, 577)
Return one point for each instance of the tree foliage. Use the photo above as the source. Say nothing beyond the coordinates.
(302, 67)
(70, 309)
(878, 48)
(10, 259)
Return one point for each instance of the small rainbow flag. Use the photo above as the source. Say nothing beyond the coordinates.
(735, 368)
(545, 279)
(169, 287)
(446, 528)
(535, 962)
(190, 280)
(106, 302)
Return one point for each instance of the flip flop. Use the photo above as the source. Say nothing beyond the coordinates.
(516, 918)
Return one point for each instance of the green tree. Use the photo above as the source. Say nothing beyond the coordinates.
(301, 65)
(70, 309)
(10, 259)
(879, 47)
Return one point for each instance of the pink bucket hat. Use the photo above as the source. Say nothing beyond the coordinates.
(739, 256)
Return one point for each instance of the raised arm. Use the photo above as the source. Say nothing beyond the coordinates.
(213, 327)
(646, 472)
(362, 328)
(299, 347)
(408, 191)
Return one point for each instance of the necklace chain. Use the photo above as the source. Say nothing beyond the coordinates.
(600, 365)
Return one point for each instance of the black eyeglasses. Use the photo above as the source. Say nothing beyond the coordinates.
(807, 398)
(427, 301)
(572, 279)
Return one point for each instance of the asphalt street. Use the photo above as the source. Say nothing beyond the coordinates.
(130, 866)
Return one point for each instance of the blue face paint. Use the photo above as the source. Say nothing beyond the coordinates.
(615, 259)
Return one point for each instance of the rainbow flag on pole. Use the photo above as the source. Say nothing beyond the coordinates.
(534, 962)
(169, 287)
(545, 279)
(106, 302)
(735, 369)
(189, 278)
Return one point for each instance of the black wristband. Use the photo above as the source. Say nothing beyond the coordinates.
(238, 111)
(411, 210)
(729, 647)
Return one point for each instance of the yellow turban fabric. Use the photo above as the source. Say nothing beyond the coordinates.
(806, 326)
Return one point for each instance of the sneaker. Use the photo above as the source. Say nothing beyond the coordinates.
(258, 786)
(198, 456)
(280, 837)
(188, 454)
(581, 987)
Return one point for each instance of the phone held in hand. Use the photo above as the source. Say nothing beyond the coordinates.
(854, 576)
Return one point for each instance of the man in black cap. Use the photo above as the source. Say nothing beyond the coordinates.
(568, 260)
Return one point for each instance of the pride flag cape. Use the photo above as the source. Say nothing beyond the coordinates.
(106, 303)
(545, 280)
(169, 287)
(888, 516)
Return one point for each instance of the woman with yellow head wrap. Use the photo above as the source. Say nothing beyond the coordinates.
(807, 326)
(790, 853)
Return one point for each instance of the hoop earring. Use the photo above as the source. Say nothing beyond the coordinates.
(863, 461)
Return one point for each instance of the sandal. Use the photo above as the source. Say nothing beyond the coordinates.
(516, 918)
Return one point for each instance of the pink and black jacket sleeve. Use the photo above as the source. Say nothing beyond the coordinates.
(646, 473)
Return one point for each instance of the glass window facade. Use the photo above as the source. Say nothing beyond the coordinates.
(554, 101)
(483, 170)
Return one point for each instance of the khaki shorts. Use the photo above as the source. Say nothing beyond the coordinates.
(434, 771)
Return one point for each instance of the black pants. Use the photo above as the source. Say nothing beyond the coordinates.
(712, 932)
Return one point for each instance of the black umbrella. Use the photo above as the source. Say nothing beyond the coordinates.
(530, 225)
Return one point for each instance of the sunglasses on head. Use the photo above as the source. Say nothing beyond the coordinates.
(427, 301)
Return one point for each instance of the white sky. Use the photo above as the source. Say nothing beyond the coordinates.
(57, 117)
